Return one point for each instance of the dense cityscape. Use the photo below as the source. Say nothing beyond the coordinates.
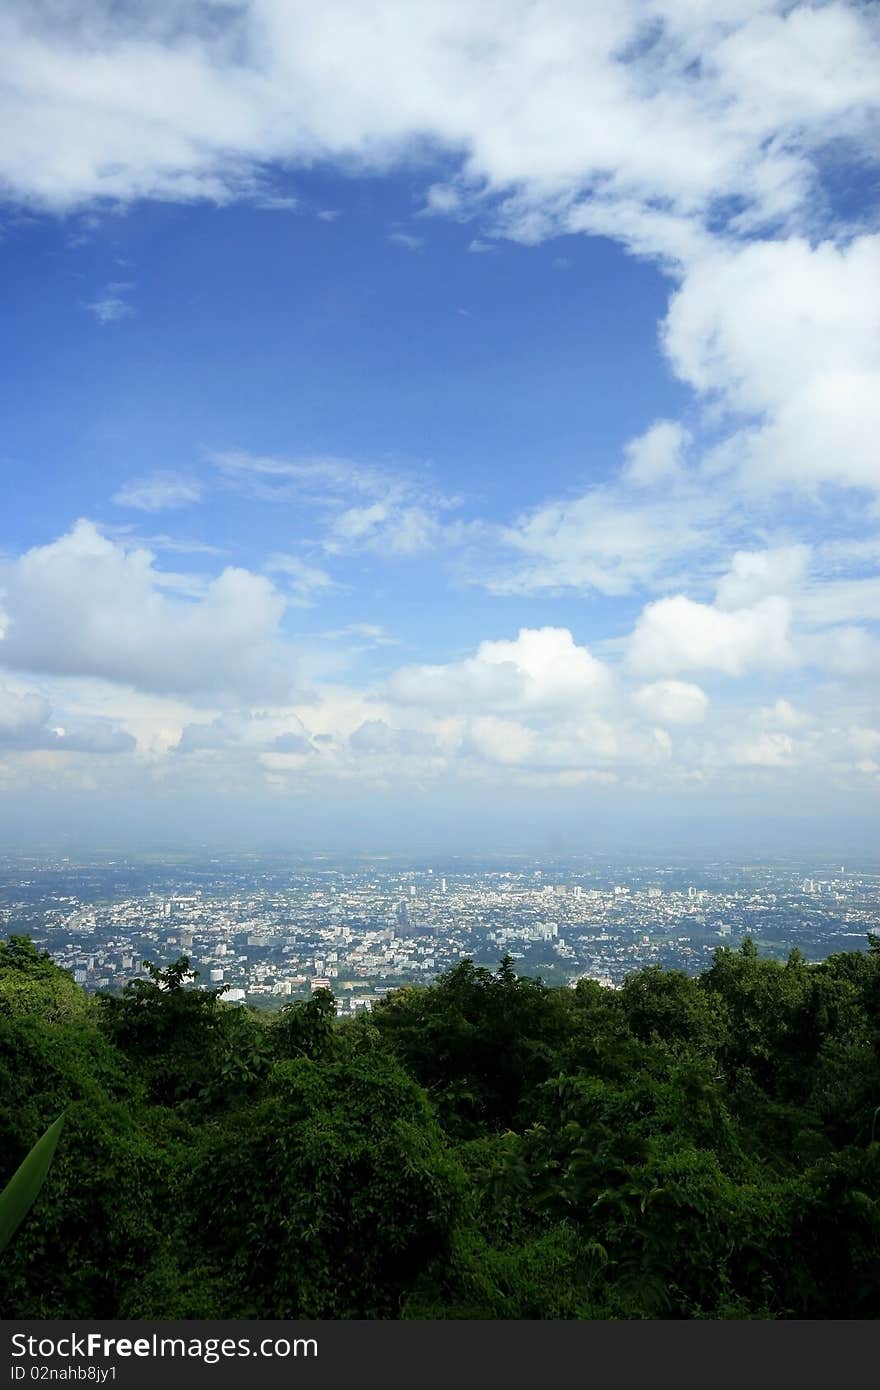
(269, 929)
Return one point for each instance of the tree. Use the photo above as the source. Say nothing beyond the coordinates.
(327, 1199)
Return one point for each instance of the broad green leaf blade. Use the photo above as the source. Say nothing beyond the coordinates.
(23, 1186)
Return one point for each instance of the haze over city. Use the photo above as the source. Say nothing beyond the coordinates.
(441, 425)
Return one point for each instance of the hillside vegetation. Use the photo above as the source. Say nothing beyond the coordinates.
(486, 1147)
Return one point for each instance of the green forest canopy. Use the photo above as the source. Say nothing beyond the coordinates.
(486, 1147)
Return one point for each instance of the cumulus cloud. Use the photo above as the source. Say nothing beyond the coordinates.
(542, 669)
(504, 741)
(548, 102)
(591, 743)
(27, 724)
(782, 714)
(770, 749)
(677, 635)
(787, 335)
(84, 735)
(374, 736)
(244, 731)
(672, 702)
(756, 574)
(21, 714)
(86, 605)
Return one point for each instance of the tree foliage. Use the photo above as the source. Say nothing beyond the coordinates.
(486, 1147)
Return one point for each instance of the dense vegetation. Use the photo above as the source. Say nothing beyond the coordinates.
(487, 1147)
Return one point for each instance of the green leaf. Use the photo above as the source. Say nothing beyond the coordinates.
(23, 1187)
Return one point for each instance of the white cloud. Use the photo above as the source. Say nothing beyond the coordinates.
(841, 601)
(848, 653)
(306, 582)
(543, 669)
(782, 714)
(407, 241)
(245, 731)
(662, 103)
(442, 198)
(788, 334)
(680, 129)
(390, 527)
(29, 724)
(316, 479)
(656, 456)
(277, 202)
(89, 606)
(672, 702)
(22, 714)
(163, 491)
(770, 749)
(504, 741)
(608, 539)
(586, 743)
(377, 737)
(367, 634)
(757, 574)
(676, 635)
(112, 305)
(358, 506)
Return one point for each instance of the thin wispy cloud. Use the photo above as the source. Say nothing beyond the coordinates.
(316, 479)
(277, 202)
(304, 582)
(112, 305)
(158, 492)
(356, 506)
(407, 241)
(369, 634)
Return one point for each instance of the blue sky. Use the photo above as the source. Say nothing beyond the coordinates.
(429, 425)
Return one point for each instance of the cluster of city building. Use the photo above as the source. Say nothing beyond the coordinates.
(266, 934)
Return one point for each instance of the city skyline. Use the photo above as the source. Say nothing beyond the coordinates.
(441, 424)
(269, 930)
